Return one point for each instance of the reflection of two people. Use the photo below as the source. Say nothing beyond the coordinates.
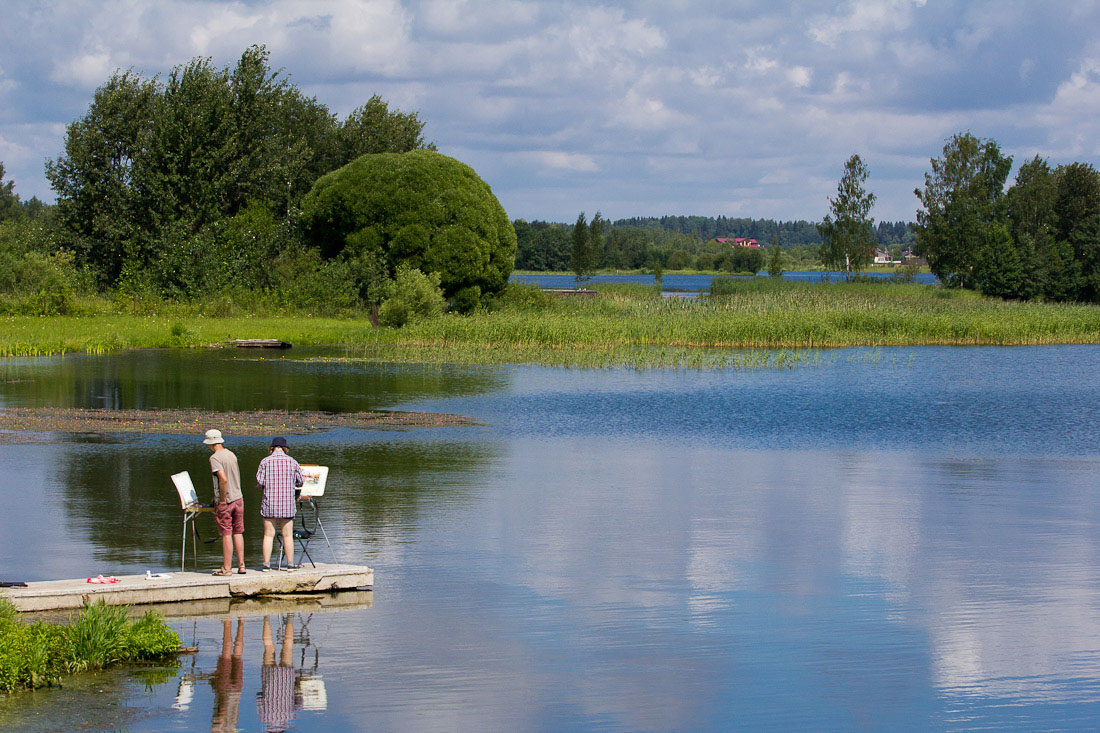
(281, 685)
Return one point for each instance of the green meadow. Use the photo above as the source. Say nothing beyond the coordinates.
(624, 325)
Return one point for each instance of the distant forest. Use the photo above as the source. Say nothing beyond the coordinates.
(683, 242)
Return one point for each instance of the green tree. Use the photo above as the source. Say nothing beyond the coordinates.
(152, 166)
(1030, 209)
(743, 259)
(10, 207)
(580, 259)
(1077, 200)
(98, 209)
(658, 272)
(999, 270)
(847, 232)
(595, 240)
(1030, 201)
(962, 200)
(420, 208)
(373, 128)
(775, 259)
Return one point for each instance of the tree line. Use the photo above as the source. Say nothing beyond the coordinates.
(1040, 238)
(191, 184)
(682, 242)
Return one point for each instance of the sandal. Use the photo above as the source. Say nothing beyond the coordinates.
(222, 573)
(242, 570)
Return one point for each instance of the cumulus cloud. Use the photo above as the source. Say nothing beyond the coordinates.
(564, 161)
(615, 91)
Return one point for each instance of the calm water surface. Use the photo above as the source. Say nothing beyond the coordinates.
(888, 539)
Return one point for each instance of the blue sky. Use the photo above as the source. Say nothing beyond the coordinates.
(741, 108)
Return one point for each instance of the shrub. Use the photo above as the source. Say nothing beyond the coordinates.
(421, 209)
(527, 296)
(413, 296)
(466, 300)
(393, 313)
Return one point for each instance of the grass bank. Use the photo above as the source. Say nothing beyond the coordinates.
(627, 325)
(39, 654)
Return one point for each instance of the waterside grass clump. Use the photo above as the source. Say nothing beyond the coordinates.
(39, 654)
(622, 325)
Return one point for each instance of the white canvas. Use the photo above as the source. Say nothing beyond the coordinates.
(186, 489)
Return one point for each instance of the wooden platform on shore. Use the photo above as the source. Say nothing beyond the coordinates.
(51, 595)
(261, 344)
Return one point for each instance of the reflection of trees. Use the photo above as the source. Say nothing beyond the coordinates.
(120, 499)
(227, 380)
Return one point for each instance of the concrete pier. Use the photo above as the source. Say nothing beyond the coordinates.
(52, 595)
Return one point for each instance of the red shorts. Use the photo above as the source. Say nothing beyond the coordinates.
(230, 517)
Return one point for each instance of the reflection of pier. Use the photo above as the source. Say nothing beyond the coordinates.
(180, 587)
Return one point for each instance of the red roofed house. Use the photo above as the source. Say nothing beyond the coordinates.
(738, 242)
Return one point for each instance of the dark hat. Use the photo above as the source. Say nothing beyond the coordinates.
(279, 442)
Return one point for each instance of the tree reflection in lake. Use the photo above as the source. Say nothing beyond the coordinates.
(117, 500)
(120, 502)
(229, 379)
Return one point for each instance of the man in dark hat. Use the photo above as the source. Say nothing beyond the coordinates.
(277, 477)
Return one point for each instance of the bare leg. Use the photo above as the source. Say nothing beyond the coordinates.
(227, 552)
(238, 545)
(269, 538)
(288, 539)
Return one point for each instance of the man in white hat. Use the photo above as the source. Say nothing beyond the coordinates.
(228, 502)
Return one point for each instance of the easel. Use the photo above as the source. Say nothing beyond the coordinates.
(313, 488)
(189, 501)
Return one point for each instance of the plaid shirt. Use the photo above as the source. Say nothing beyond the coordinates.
(277, 476)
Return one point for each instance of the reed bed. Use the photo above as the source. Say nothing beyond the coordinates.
(623, 325)
(39, 654)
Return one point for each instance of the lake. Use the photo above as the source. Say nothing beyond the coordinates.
(696, 283)
(882, 538)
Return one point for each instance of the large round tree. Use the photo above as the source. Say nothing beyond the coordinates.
(420, 208)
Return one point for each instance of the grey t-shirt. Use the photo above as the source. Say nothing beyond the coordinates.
(225, 460)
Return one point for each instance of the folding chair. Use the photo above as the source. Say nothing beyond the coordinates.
(189, 501)
(314, 487)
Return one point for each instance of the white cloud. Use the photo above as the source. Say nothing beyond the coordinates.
(799, 76)
(611, 87)
(85, 69)
(864, 17)
(564, 161)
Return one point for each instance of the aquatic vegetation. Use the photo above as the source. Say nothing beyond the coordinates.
(193, 422)
(38, 654)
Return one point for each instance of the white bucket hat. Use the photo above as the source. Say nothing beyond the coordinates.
(213, 436)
